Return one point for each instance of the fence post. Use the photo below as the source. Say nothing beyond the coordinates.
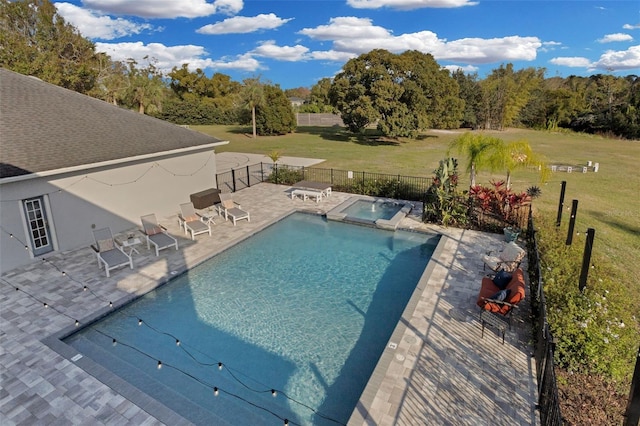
(572, 222)
(632, 414)
(233, 179)
(563, 187)
(586, 259)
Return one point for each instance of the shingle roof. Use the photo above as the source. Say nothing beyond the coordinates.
(44, 127)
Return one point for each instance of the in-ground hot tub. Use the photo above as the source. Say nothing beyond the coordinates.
(382, 213)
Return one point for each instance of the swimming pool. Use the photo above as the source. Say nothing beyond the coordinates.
(305, 307)
(380, 212)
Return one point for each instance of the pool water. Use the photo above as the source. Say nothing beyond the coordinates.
(372, 210)
(305, 308)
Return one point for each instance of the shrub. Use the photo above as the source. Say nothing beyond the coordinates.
(597, 330)
(442, 203)
(284, 175)
(499, 200)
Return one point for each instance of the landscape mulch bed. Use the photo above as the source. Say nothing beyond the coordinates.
(589, 400)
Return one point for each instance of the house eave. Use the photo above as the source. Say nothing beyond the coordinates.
(87, 167)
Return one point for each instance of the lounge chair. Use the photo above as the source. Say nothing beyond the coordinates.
(508, 259)
(156, 234)
(192, 222)
(229, 208)
(108, 251)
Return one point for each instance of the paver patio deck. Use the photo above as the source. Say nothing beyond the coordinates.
(441, 371)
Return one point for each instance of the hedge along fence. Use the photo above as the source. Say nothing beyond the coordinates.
(409, 188)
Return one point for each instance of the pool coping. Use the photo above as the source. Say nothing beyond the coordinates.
(440, 381)
(168, 416)
(148, 403)
(365, 402)
(388, 224)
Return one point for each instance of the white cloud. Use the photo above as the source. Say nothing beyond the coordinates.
(573, 62)
(631, 27)
(94, 26)
(611, 60)
(332, 55)
(358, 35)
(408, 4)
(165, 8)
(244, 24)
(345, 28)
(619, 60)
(483, 51)
(167, 57)
(610, 38)
(548, 46)
(467, 69)
(244, 62)
(269, 49)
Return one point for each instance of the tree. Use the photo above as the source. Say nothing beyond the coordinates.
(319, 100)
(480, 152)
(35, 40)
(146, 88)
(298, 92)
(400, 94)
(505, 92)
(252, 95)
(471, 94)
(275, 115)
(487, 152)
(112, 82)
(518, 155)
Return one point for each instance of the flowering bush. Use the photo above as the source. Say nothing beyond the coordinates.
(597, 330)
(499, 200)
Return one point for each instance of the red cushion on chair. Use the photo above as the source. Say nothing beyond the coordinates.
(489, 289)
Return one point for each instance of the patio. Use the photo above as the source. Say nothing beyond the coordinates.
(436, 369)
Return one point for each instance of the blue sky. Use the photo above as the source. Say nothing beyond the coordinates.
(296, 43)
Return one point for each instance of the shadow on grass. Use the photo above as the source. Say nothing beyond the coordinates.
(371, 137)
(376, 141)
(616, 221)
(333, 133)
(422, 137)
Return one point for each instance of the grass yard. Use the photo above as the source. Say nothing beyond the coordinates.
(608, 201)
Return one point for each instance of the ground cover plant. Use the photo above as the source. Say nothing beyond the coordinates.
(608, 200)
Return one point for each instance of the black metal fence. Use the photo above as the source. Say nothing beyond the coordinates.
(410, 188)
(548, 400)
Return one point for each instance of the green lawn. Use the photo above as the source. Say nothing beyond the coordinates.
(609, 201)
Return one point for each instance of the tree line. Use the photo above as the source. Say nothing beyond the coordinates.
(398, 94)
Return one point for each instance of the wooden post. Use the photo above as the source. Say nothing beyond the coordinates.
(586, 259)
(563, 187)
(632, 415)
(572, 222)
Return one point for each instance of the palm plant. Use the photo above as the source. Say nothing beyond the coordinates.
(517, 155)
(480, 152)
(253, 96)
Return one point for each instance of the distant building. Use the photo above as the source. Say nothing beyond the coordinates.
(296, 102)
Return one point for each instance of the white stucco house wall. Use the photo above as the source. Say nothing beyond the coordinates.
(70, 163)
